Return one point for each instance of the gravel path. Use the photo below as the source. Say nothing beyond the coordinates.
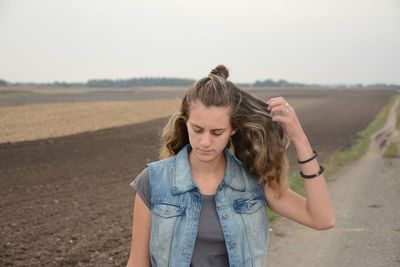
(366, 196)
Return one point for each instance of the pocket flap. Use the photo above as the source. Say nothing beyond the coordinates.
(167, 210)
(248, 205)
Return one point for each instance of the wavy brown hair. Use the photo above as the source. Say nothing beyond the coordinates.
(259, 143)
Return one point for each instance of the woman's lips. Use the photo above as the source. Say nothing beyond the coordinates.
(205, 151)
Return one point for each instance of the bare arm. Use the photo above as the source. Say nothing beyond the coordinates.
(140, 255)
(315, 210)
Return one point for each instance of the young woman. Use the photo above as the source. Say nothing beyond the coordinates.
(223, 162)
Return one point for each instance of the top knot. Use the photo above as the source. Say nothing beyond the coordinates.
(221, 71)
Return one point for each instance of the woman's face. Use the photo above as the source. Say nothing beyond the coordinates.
(209, 130)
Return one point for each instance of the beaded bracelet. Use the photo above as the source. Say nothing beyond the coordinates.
(318, 173)
(310, 159)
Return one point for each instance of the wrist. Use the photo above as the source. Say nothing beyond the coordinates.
(304, 161)
(303, 148)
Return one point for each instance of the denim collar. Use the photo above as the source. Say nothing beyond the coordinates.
(183, 180)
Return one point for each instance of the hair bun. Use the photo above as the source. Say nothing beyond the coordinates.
(220, 70)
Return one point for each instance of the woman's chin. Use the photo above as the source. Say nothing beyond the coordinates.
(205, 156)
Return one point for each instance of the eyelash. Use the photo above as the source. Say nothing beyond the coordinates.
(199, 131)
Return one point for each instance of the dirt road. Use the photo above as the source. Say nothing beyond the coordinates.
(366, 197)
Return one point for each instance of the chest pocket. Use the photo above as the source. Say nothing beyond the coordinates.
(167, 210)
(164, 222)
(253, 216)
(248, 205)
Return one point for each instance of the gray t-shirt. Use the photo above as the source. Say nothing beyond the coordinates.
(209, 248)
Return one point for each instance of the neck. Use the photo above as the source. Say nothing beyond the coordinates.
(211, 167)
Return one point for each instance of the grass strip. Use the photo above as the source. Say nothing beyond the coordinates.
(392, 151)
(344, 157)
(398, 119)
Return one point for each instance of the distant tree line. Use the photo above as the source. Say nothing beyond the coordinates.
(3, 82)
(161, 81)
(139, 82)
(279, 83)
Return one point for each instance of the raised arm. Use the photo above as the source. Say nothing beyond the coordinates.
(315, 210)
(140, 255)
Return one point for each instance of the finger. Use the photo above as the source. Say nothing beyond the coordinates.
(282, 120)
(280, 110)
(277, 111)
(276, 102)
(275, 99)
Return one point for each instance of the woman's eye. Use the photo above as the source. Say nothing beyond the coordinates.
(198, 131)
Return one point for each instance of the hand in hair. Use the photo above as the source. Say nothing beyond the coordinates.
(285, 115)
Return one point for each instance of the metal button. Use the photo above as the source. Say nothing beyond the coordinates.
(167, 211)
(250, 205)
(226, 215)
(234, 244)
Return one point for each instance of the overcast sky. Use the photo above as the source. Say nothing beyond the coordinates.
(329, 42)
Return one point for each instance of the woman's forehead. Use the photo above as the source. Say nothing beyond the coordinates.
(218, 117)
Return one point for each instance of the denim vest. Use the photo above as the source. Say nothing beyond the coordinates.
(176, 203)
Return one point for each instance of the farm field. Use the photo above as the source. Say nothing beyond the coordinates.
(65, 198)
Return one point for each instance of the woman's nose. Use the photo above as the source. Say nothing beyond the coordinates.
(205, 139)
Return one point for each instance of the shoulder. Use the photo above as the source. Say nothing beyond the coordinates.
(181, 156)
(160, 167)
(142, 186)
(161, 162)
(141, 179)
(161, 171)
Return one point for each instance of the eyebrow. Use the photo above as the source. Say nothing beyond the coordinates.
(219, 129)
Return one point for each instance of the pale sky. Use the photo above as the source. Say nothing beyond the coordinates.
(327, 42)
